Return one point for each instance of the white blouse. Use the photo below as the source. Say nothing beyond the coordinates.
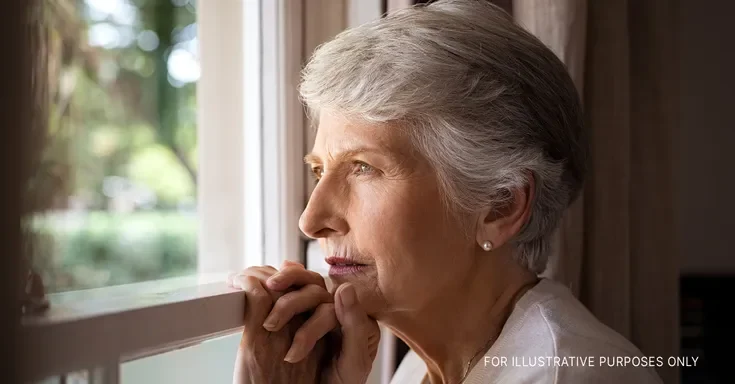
(550, 337)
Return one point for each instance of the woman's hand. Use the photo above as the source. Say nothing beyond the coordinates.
(359, 343)
(349, 359)
(351, 335)
(261, 352)
(302, 292)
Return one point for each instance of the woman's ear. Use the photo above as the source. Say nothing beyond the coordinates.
(497, 225)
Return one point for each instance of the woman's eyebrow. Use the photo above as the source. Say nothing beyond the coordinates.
(311, 158)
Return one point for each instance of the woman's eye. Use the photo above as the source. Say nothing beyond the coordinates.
(363, 168)
(318, 172)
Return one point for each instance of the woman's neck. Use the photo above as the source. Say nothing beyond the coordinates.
(460, 324)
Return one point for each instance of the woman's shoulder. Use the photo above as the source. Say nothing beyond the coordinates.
(550, 319)
(554, 313)
(551, 335)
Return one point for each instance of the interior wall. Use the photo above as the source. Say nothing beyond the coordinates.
(704, 145)
(17, 116)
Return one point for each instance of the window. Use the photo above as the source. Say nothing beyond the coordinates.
(178, 173)
(118, 172)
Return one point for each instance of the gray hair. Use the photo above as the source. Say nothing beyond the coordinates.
(485, 101)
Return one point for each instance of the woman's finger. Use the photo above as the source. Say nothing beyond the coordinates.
(258, 301)
(361, 334)
(289, 263)
(323, 321)
(261, 273)
(294, 276)
(295, 302)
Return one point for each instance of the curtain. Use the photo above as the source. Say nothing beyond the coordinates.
(561, 26)
(615, 245)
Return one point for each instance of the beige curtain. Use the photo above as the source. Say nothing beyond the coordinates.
(561, 25)
(615, 245)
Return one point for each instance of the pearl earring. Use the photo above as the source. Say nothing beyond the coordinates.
(487, 245)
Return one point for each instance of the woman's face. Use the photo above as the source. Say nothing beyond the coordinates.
(377, 204)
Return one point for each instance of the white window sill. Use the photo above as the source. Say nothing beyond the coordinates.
(109, 326)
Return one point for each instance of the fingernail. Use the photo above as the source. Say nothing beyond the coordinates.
(348, 296)
(291, 354)
(270, 322)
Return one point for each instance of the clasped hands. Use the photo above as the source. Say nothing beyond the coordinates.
(296, 331)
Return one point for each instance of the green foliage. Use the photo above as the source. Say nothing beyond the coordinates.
(157, 168)
(115, 111)
(119, 127)
(100, 249)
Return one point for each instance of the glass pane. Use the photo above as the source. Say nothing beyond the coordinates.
(115, 186)
(212, 361)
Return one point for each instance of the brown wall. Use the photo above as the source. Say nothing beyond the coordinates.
(15, 116)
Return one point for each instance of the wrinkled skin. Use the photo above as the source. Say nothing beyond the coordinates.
(308, 324)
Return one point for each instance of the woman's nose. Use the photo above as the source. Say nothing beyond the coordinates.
(322, 216)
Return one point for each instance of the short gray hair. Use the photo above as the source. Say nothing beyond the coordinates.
(487, 104)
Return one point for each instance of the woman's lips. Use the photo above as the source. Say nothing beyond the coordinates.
(340, 266)
(346, 269)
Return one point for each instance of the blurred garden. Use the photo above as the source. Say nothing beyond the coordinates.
(114, 184)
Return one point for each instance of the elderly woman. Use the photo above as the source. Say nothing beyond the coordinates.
(449, 144)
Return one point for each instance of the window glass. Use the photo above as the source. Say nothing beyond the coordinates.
(212, 361)
(115, 185)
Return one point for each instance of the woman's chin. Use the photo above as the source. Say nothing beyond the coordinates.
(364, 287)
(360, 277)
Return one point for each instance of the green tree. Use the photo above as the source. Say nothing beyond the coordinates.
(114, 108)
